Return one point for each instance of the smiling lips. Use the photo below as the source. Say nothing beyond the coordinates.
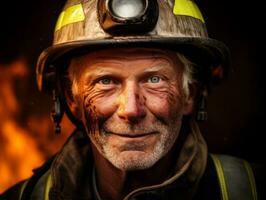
(133, 135)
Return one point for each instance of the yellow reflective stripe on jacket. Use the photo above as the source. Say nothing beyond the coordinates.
(22, 188)
(47, 187)
(221, 177)
(251, 180)
(235, 177)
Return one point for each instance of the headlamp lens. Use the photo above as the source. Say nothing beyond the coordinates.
(127, 17)
(128, 8)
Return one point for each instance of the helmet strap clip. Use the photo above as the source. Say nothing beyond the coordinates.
(57, 112)
(202, 107)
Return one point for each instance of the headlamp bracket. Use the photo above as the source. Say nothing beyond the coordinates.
(144, 21)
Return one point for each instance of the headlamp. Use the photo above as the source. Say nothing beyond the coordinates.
(123, 17)
(127, 9)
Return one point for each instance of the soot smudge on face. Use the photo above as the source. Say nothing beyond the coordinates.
(90, 115)
(93, 121)
(175, 95)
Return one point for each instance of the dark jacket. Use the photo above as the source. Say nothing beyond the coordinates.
(69, 175)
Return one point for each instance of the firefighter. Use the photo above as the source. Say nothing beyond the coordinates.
(133, 76)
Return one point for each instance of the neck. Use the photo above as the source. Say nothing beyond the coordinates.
(115, 184)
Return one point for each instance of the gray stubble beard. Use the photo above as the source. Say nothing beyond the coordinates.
(168, 136)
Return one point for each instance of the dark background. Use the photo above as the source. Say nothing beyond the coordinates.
(236, 108)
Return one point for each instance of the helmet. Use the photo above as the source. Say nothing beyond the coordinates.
(87, 25)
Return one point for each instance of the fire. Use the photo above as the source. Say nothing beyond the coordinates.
(19, 154)
(25, 142)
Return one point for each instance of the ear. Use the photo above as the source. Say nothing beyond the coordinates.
(189, 103)
(73, 105)
(75, 109)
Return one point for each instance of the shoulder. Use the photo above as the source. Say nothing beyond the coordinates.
(14, 192)
(235, 177)
(32, 188)
(227, 177)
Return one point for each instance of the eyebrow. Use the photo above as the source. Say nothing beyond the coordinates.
(100, 71)
(157, 67)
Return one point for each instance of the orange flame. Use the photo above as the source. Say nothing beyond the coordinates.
(23, 146)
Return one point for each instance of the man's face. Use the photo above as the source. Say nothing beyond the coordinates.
(132, 103)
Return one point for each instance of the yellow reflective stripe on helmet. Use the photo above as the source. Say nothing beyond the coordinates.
(47, 187)
(22, 189)
(251, 180)
(70, 15)
(220, 174)
(187, 8)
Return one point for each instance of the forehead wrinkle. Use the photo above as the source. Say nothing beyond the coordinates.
(157, 67)
(93, 63)
(97, 71)
(93, 67)
(126, 54)
(100, 71)
(99, 64)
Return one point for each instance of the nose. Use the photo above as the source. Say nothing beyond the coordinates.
(131, 104)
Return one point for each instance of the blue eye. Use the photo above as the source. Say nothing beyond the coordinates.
(154, 79)
(106, 81)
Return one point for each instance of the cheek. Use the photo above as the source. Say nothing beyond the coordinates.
(165, 104)
(103, 104)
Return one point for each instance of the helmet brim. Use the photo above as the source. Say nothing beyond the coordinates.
(206, 52)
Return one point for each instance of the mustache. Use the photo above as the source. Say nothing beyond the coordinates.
(110, 126)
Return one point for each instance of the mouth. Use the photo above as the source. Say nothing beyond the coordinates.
(132, 141)
(132, 135)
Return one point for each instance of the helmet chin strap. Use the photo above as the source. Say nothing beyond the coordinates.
(57, 112)
(60, 107)
(202, 107)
